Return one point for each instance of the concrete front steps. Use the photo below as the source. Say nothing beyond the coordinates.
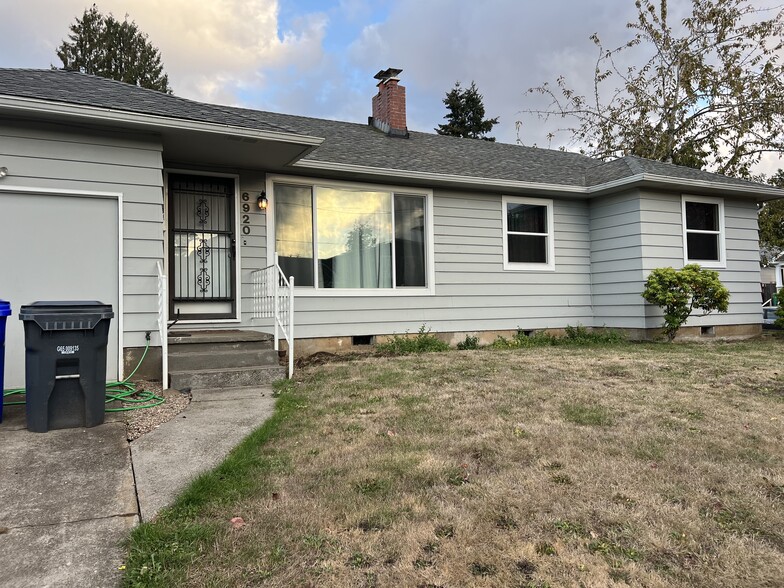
(222, 359)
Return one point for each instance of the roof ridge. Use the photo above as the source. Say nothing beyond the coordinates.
(632, 161)
(634, 170)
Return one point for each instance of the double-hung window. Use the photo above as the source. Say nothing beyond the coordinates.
(352, 238)
(703, 231)
(528, 234)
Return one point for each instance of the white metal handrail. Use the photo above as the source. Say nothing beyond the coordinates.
(163, 320)
(273, 297)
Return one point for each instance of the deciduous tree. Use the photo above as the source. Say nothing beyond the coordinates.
(708, 93)
(771, 223)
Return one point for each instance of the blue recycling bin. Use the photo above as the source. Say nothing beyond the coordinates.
(5, 311)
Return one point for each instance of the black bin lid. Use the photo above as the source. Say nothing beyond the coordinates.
(66, 315)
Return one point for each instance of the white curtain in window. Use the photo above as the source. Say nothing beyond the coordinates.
(354, 238)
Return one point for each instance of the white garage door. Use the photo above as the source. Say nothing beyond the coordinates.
(56, 247)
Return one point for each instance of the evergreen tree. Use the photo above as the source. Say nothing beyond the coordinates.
(103, 46)
(466, 116)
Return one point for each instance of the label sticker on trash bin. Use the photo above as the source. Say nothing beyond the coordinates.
(67, 349)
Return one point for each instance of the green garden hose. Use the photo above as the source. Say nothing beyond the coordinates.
(124, 391)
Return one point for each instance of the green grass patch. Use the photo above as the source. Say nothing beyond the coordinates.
(159, 553)
(586, 414)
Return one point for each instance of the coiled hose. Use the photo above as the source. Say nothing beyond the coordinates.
(124, 391)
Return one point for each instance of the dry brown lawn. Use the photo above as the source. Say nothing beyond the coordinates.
(641, 465)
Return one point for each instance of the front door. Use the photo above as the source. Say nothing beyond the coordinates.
(202, 247)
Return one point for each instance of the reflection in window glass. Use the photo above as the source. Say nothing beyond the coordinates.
(702, 231)
(294, 232)
(354, 238)
(526, 218)
(526, 226)
(409, 241)
(356, 235)
(702, 216)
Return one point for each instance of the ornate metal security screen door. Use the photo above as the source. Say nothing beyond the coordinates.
(202, 247)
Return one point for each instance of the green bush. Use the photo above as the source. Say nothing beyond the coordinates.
(422, 342)
(679, 292)
(577, 336)
(581, 336)
(469, 343)
(780, 311)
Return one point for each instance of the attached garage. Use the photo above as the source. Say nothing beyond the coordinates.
(59, 245)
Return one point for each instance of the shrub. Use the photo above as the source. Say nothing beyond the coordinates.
(422, 342)
(578, 335)
(679, 292)
(469, 343)
(582, 336)
(780, 311)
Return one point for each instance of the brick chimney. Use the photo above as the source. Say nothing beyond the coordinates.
(389, 105)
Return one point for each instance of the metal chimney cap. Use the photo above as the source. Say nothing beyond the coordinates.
(388, 74)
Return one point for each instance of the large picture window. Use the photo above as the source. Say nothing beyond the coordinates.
(703, 228)
(528, 234)
(343, 238)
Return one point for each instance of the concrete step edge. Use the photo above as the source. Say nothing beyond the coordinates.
(243, 351)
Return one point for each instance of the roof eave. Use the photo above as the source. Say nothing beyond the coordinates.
(434, 178)
(146, 122)
(758, 192)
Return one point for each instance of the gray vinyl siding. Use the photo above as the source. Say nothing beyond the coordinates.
(662, 217)
(252, 247)
(638, 231)
(616, 260)
(473, 292)
(57, 157)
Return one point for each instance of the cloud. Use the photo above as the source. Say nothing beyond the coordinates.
(506, 47)
(213, 51)
(318, 59)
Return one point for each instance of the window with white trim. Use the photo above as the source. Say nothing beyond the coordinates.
(528, 234)
(703, 231)
(339, 237)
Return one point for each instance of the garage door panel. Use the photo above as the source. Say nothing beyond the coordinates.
(56, 247)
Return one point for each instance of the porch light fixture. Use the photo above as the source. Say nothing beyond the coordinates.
(3, 172)
(262, 201)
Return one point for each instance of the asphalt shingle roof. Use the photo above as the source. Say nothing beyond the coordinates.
(353, 143)
(85, 90)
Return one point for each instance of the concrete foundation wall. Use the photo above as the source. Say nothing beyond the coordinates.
(150, 369)
(307, 347)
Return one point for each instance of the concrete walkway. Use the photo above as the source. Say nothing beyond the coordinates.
(68, 498)
(195, 441)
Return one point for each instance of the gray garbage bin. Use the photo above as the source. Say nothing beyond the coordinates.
(65, 363)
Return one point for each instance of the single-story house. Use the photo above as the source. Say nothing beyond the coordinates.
(383, 229)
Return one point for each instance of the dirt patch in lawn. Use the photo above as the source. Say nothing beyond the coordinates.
(650, 465)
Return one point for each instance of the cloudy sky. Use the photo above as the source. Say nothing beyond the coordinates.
(318, 57)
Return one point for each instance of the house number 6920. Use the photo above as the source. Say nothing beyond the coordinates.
(245, 217)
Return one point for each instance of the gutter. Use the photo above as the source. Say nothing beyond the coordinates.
(751, 190)
(590, 191)
(109, 115)
(431, 176)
